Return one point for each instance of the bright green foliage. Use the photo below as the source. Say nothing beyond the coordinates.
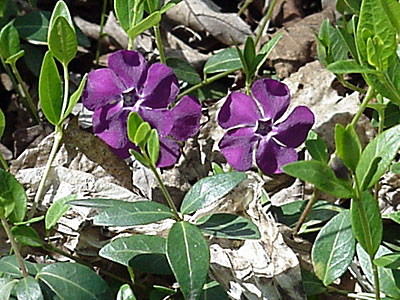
(26, 235)
(9, 41)
(12, 197)
(2, 123)
(391, 261)
(225, 60)
(28, 288)
(57, 209)
(348, 145)
(144, 24)
(62, 40)
(125, 293)
(317, 147)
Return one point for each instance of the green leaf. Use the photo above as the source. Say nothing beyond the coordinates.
(312, 285)
(145, 24)
(9, 265)
(228, 226)
(167, 6)
(266, 50)
(394, 216)
(74, 281)
(50, 89)
(321, 176)
(62, 40)
(9, 41)
(189, 257)
(30, 221)
(133, 213)
(134, 121)
(368, 234)
(2, 123)
(348, 145)
(12, 197)
(6, 286)
(13, 58)
(348, 66)
(26, 235)
(153, 146)
(387, 277)
(97, 203)
(249, 54)
(210, 189)
(385, 146)
(125, 293)
(183, 70)
(139, 157)
(142, 134)
(317, 147)
(61, 9)
(75, 98)
(123, 250)
(245, 67)
(391, 261)
(33, 58)
(392, 10)
(124, 11)
(212, 290)
(217, 169)
(370, 173)
(28, 289)
(226, 60)
(57, 209)
(349, 42)
(151, 5)
(333, 249)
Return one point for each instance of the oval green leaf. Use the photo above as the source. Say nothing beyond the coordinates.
(226, 60)
(134, 121)
(391, 261)
(57, 209)
(124, 11)
(321, 176)
(347, 67)
(142, 133)
(183, 70)
(333, 250)
(6, 286)
(317, 147)
(312, 285)
(61, 9)
(133, 213)
(9, 265)
(74, 281)
(153, 146)
(385, 146)
(145, 24)
(28, 289)
(189, 257)
(348, 145)
(50, 89)
(13, 194)
(125, 293)
(228, 226)
(26, 235)
(62, 40)
(9, 41)
(123, 250)
(210, 189)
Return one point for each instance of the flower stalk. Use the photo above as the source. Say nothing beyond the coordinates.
(368, 97)
(159, 43)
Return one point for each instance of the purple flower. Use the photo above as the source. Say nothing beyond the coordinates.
(129, 84)
(253, 125)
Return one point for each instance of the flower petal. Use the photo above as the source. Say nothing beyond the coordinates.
(293, 131)
(273, 95)
(238, 109)
(169, 152)
(160, 119)
(186, 115)
(237, 146)
(103, 86)
(160, 88)
(270, 156)
(109, 124)
(130, 66)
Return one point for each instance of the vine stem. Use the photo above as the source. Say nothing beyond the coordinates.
(102, 18)
(244, 6)
(57, 140)
(370, 94)
(3, 162)
(265, 21)
(14, 245)
(160, 47)
(306, 211)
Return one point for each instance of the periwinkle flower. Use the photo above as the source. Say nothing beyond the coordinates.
(129, 84)
(254, 127)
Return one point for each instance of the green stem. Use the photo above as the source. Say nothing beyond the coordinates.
(102, 18)
(27, 96)
(376, 279)
(3, 162)
(205, 82)
(349, 85)
(160, 47)
(248, 85)
(14, 245)
(306, 211)
(57, 140)
(265, 21)
(66, 90)
(367, 98)
(131, 275)
(244, 6)
(165, 193)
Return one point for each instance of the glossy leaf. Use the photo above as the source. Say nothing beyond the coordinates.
(2, 123)
(9, 265)
(317, 147)
(12, 197)
(26, 235)
(142, 133)
(183, 70)
(151, 5)
(50, 89)
(348, 66)
(153, 146)
(226, 60)
(210, 189)
(125, 293)
(9, 41)
(368, 234)
(139, 157)
(124, 11)
(349, 42)
(98, 203)
(145, 24)
(228, 226)
(6, 286)
(189, 256)
(61, 9)
(28, 289)
(75, 98)
(387, 277)
(333, 249)
(348, 145)
(266, 50)
(321, 176)
(151, 263)
(134, 121)
(124, 249)
(385, 146)
(133, 213)
(74, 281)
(392, 10)
(312, 285)
(57, 209)
(62, 40)
(249, 54)
(391, 261)
(13, 58)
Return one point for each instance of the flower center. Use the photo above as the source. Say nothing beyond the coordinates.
(264, 127)
(130, 97)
